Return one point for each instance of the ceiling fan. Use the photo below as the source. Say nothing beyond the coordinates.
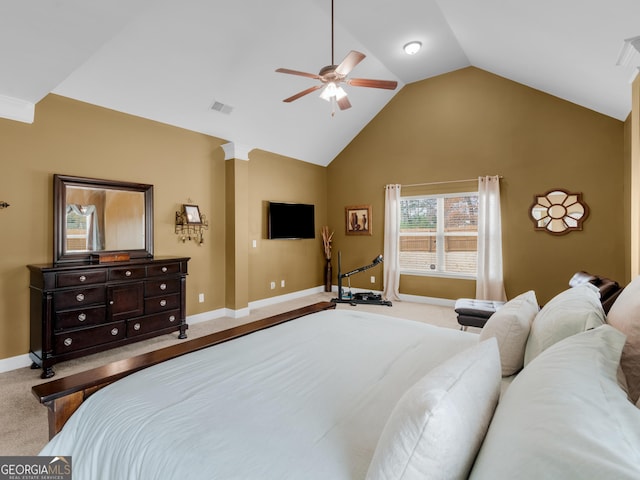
(333, 75)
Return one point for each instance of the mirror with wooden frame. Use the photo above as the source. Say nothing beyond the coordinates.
(558, 212)
(93, 216)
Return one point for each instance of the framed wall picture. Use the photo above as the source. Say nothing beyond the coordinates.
(358, 220)
(192, 215)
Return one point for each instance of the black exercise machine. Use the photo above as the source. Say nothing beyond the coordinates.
(368, 298)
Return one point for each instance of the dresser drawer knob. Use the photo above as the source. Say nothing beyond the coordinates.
(136, 326)
(172, 318)
(80, 297)
(82, 317)
(164, 269)
(163, 303)
(127, 273)
(111, 302)
(163, 286)
(114, 331)
(82, 278)
(68, 342)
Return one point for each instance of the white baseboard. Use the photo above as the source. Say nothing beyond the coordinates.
(14, 363)
(244, 312)
(441, 302)
(283, 298)
(21, 361)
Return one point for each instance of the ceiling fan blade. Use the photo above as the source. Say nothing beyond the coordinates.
(344, 103)
(296, 72)
(352, 59)
(368, 82)
(302, 93)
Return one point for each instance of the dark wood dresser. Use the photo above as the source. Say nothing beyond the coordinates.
(82, 308)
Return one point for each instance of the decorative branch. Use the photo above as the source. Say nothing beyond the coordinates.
(326, 242)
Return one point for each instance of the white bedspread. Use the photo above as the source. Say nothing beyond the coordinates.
(303, 400)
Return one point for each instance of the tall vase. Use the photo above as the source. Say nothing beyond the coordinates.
(327, 276)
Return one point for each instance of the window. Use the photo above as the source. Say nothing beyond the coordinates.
(77, 232)
(439, 234)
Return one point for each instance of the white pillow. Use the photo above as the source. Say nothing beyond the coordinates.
(565, 416)
(510, 325)
(625, 316)
(437, 427)
(571, 311)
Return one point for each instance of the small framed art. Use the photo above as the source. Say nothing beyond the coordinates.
(192, 215)
(358, 220)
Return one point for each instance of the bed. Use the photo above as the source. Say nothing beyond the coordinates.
(304, 399)
(341, 394)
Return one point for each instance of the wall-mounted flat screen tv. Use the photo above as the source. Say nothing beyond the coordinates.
(291, 220)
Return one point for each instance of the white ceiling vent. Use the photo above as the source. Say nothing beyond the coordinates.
(221, 107)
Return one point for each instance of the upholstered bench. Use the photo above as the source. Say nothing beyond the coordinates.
(475, 313)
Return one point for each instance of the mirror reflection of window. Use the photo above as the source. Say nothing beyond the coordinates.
(83, 231)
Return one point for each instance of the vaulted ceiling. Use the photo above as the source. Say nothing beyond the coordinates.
(171, 60)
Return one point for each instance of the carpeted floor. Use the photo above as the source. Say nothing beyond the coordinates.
(23, 421)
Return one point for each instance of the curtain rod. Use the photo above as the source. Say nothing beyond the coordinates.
(440, 183)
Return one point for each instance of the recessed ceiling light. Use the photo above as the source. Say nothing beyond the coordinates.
(412, 48)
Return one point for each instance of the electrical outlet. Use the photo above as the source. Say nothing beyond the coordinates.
(373, 279)
(255, 243)
(282, 283)
(201, 297)
(273, 285)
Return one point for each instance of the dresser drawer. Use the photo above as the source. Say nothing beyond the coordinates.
(80, 278)
(78, 297)
(80, 318)
(88, 337)
(158, 321)
(166, 269)
(161, 304)
(125, 273)
(154, 288)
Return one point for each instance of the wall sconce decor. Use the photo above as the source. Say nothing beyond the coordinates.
(191, 224)
(558, 212)
(4, 205)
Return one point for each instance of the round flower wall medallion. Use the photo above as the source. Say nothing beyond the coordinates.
(558, 212)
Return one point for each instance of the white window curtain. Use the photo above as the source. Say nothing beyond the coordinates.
(489, 283)
(391, 266)
(93, 233)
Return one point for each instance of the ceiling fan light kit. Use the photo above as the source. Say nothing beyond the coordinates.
(332, 91)
(331, 76)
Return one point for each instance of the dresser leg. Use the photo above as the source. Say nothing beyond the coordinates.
(34, 366)
(183, 333)
(47, 372)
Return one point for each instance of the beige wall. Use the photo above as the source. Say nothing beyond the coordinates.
(298, 262)
(634, 184)
(627, 199)
(469, 123)
(74, 138)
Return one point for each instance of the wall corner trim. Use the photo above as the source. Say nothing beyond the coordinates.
(235, 150)
(17, 109)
